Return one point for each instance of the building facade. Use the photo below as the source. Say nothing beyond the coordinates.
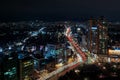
(26, 66)
(9, 68)
(97, 36)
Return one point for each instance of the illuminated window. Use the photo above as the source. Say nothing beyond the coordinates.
(10, 73)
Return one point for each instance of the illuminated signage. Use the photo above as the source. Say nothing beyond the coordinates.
(94, 28)
(114, 52)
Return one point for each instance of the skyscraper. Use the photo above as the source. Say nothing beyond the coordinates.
(9, 67)
(97, 36)
(26, 66)
(92, 41)
(103, 36)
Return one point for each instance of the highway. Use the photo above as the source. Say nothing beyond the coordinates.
(66, 68)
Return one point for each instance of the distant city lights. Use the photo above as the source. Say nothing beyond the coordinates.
(1, 50)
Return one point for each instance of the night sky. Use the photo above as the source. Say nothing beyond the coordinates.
(60, 9)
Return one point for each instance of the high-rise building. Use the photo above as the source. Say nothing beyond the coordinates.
(26, 66)
(97, 36)
(9, 68)
(114, 40)
(103, 36)
(92, 41)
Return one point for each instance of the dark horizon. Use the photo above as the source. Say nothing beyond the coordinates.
(48, 18)
(59, 10)
(43, 18)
